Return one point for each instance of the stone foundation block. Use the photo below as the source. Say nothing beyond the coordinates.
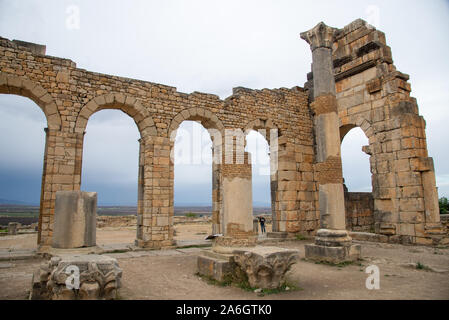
(366, 236)
(277, 235)
(75, 219)
(215, 266)
(333, 254)
(83, 277)
(333, 246)
(265, 266)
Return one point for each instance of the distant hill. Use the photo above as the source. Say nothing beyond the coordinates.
(17, 202)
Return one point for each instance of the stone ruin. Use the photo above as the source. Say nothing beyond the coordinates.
(94, 277)
(353, 83)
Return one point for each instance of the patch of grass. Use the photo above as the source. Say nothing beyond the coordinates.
(225, 283)
(119, 251)
(4, 230)
(240, 280)
(285, 287)
(20, 214)
(301, 237)
(206, 245)
(341, 264)
(421, 266)
(191, 215)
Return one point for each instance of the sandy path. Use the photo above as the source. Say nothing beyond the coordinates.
(172, 275)
(113, 235)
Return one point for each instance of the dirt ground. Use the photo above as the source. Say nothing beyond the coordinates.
(171, 274)
(112, 235)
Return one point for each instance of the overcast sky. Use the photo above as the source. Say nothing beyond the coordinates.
(209, 46)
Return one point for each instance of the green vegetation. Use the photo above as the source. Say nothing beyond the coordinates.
(421, 266)
(20, 214)
(191, 215)
(301, 237)
(340, 264)
(206, 245)
(444, 205)
(240, 280)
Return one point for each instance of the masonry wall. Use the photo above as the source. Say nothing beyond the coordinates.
(359, 211)
(371, 95)
(69, 96)
(374, 96)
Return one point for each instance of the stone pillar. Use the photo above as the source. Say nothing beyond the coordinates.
(216, 174)
(155, 222)
(13, 228)
(332, 242)
(140, 191)
(75, 219)
(237, 207)
(61, 172)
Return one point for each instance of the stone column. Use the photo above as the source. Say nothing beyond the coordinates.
(140, 192)
(237, 207)
(75, 219)
(332, 242)
(155, 222)
(61, 172)
(216, 174)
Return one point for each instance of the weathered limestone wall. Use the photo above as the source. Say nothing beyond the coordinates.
(359, 211)
(68, 96)
(370, 94)
(374, 96)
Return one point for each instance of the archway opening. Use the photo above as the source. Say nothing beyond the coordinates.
(257, 145)
(110, 168)
(192, 183)
(359, 203)
(22, 147)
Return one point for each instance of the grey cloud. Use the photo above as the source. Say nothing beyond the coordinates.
(210, 46)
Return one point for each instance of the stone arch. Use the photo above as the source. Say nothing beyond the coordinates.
(347, 125)
(210, 122)
(207, 119)
(11, 84)
(128, 104)
(257, 124)
(360, 206)
(260, 124)
(268, 124)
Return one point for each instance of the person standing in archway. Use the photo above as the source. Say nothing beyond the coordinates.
(262, 224)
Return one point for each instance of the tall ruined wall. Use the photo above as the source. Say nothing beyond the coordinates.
(69, 96)
(374, 96)
(371, 94)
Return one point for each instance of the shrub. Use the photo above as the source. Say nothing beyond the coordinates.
(444, 205)
(191, 215)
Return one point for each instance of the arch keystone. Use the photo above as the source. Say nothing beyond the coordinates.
(100, 100)
(120, 98)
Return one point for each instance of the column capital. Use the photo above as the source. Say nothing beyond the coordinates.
(320, 36)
